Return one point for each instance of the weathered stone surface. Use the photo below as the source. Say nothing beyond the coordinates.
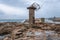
(20, 31)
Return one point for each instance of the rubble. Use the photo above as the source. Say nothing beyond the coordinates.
(23, 32)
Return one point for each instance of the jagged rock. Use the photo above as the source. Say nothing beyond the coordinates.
(19, 31)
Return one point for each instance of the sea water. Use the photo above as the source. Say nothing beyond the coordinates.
(11, 20)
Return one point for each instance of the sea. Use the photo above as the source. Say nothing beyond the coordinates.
(22, 20)
(11, 20)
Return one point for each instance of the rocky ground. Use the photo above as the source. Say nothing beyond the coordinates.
(18, 31)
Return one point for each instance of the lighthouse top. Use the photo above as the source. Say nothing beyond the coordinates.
(31, 7)
(34, 6)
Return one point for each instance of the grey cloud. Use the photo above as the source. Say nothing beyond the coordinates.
(15, 3)
(1, 12)
(49, 9)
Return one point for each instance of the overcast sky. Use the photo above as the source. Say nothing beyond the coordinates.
(17, 9)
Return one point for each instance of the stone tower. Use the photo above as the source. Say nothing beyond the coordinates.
(31, 15)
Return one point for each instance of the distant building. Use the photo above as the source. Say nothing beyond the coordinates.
(56, 19)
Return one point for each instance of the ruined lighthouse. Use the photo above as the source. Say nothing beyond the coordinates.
(32, 9)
